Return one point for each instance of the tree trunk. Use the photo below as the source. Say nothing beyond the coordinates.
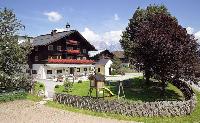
(147, 76)
(163, 88)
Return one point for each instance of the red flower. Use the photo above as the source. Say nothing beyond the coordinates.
(73, 51)
(70, 61)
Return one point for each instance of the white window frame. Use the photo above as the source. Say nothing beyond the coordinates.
(50, 47)
(84, 58)
(36, 58)
(51, 71)
(70, 48)
(84, 51)
(59, 48)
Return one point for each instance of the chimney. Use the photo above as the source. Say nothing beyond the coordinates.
(53, 32)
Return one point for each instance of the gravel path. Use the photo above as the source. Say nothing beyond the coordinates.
(23, 111)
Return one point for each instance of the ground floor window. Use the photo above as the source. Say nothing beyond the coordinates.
(99, 70)
(34, 71)
(85, 69)
(59, 71)
(78, 69)
(49, 71)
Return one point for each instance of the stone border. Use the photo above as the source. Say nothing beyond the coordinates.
(159, 108)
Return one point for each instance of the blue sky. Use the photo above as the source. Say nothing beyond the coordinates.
(96, 19)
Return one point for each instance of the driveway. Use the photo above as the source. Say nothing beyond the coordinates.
(123, 77)
(23, 111)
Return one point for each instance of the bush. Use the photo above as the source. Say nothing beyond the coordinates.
(67, 85)
(5, 97)
(80, 81)
(57, 86)
(41, 85)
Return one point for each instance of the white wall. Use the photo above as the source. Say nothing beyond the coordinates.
(104, 69)
(107, 66)
(41, 71)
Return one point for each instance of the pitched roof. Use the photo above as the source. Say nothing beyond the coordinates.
(47, 39)
(119, 54)
(102, 62)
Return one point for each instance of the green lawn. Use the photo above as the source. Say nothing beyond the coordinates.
(193, 118)
(136, 91)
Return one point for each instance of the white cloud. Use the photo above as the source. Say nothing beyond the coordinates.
(116, 17)
(61, 29)
(102, 41)
(112, 36)
(90, 35)
(197, 36)
(190, 30)
(53, 16)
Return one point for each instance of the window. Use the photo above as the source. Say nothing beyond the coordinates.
(50, 57)
(36, 48)
(34, 71)
(36, 58)
(85, 69)
(78, 69)
(59, 57)
(78, 58)
(49, 71)
(84, 58)
(59, 71)
(99, 70)
(50, 47)
(84, 51)
(59, 48)
(69, 48)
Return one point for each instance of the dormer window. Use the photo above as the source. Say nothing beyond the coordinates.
(58, 48)
(84, 51)
(36, 58)
(50, 47)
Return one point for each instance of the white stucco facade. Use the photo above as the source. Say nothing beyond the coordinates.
(104, 69)
(50, 71)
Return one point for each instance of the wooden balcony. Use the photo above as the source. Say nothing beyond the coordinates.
(72, 42)
(73, 51)
(70, 61)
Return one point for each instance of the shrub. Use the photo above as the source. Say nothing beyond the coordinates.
(41, 85)
(5, 97)
(67, 85)
(80, 81)
(57, 86)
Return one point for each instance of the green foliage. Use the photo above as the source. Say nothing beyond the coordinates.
(67, 86)
(80, 81)
(159, 46)
(57, 86)
(13, 55)
(116, 65)
(11, 96)
(37, 87)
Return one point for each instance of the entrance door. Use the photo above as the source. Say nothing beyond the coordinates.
(71, 70)
(110, 71)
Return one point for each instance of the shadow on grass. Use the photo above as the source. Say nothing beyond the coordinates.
(136, 90)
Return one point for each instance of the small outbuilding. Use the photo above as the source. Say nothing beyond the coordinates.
(103, 66)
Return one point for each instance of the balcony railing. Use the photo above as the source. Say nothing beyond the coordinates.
(70, 61)
(73, 51)
(72, 42)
